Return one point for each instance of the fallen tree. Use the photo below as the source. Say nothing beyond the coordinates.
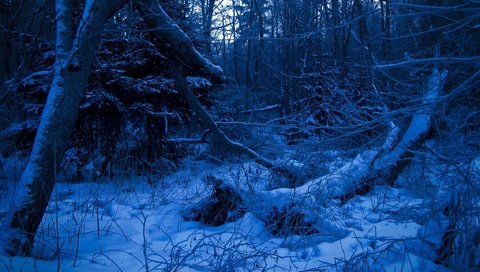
(387, 168)
(380, 166)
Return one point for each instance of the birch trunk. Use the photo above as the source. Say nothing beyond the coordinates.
(75, 53)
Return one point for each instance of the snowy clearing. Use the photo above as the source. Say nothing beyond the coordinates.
(126, 225)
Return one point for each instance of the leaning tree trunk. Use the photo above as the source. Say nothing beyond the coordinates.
(169, 31)
(187, 56)
(219, 138)
(75, 55)
(372, 167)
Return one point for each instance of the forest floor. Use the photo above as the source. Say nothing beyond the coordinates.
(130, 225)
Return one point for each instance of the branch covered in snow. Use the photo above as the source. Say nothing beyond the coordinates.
(266, 108)
(409, 62)
(420, 123)
(218, 135)
(170, 32)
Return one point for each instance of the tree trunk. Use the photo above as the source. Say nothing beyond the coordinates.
(169, 31)
(235, 49)
(75, 55)
(387, 30)
(289, 48)
(336, 24)
(258, 74)
(386, 169)
(219, 138)
(207, 19)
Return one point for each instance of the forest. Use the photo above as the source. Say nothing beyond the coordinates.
(239, 135)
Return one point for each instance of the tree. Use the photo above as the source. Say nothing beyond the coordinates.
(75, 54)
(21, 25)
(169, 31)
(207, 8)
(323, 62)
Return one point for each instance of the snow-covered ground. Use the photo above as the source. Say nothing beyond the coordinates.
(126, 225)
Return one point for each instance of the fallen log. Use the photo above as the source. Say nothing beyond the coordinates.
(387, 168)
(223, 205)
(286, 211)
(283, 209)
(227, 204)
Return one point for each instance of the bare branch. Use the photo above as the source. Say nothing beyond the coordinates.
(473, 60)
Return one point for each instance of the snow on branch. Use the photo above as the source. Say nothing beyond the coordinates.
(369, 167)
(408, 62)
(428, 7)
(170, 32)
(420, 123)
(266, 108)
(387, 168)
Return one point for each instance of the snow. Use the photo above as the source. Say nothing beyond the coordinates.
(420, 123)
(325, 187)
(198, 82)
(16, 128)
(34, 77)
(123, 225)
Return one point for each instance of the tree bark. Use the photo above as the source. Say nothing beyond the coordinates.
(386, 28)
(170, 32)
(336, 24)
(258, 74)
(75, 55)
(235, 49)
